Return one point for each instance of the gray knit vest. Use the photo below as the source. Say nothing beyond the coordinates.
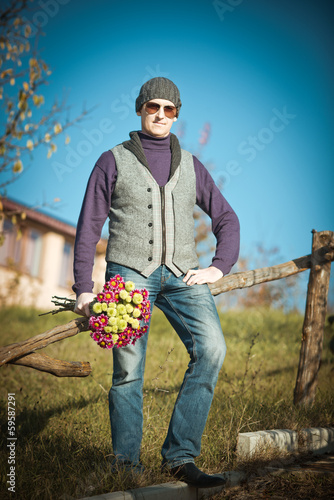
(148, 225)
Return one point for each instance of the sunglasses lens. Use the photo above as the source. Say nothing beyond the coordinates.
(170, 111)
(152, 107)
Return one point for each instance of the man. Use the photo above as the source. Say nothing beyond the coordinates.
(149, 186)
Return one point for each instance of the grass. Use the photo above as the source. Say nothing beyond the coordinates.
(62, 424)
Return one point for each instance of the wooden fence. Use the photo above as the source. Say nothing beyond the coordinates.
(319, 261)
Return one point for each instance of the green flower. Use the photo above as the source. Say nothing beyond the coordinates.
(126, 317)
(115, 337)
(104, 306)
(107, 329)
(97, 307)
(114, 329)
(136, 313)
(121, 309)
(129, 286)
(121, 324)
(137, 298)
(135, 324)
(111, 311)
(123, 294)
(112, 321)
(129, 308)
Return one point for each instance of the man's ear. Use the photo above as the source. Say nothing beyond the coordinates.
(175, 119)
(139, 112)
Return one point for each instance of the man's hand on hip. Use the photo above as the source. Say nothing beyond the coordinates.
(82, 303)
(201, 276)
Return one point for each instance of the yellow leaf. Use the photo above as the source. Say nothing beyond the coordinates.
(12, 81)
(47, 137)
(17, 21)
(49, 153)
(14, 219)
(17, 167)
(53, 147)
(30, 144)
(57, 128)
(27, 30)
(68, 139)
(23, 215)
(26, 86)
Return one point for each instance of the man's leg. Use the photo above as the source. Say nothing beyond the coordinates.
(126, 393)
(192, 312)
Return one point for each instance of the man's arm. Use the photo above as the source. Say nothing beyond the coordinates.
(225, 227)
(94, 212)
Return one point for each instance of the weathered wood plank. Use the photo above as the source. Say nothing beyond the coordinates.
(314, 321)
(56, 367)
(255, 277)
(13, 351)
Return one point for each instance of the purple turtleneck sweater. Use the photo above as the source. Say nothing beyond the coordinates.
(97, 200)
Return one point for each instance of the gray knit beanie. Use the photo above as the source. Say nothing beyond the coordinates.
(159, 88)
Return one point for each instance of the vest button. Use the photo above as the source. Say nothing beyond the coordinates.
(150, 258)
(151, 242)
(150, 224)
(149, 190)
(149, 206)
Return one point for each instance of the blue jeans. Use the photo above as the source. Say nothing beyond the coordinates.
(192, 313)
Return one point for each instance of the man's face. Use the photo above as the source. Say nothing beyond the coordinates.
(157, 124)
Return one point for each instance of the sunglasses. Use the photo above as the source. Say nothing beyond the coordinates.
(153, 107)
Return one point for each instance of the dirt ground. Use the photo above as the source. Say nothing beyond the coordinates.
(310, 480)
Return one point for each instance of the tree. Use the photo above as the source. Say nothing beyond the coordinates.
(23, 73)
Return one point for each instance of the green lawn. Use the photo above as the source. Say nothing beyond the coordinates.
(62, 425)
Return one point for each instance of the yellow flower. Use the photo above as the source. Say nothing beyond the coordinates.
(112, 321)
(47, 137)
(115, 337)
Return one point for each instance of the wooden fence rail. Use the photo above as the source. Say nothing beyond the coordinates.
(319, 261)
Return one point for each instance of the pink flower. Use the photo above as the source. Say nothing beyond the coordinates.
(100, 297)
(103, 319)
(94, 323)
(108, 296)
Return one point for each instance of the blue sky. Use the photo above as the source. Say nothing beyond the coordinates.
(260, 72)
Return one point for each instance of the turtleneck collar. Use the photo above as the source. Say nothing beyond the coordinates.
(135, 146)
(150, 142)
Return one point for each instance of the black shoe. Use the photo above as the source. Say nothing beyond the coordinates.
(190, 474)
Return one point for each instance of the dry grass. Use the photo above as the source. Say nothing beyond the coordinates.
(64, 446)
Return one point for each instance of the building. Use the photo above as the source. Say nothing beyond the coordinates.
(36, 257)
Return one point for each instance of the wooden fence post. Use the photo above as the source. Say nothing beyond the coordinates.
(314, 320)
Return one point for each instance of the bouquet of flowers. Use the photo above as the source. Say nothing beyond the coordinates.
(116, 313)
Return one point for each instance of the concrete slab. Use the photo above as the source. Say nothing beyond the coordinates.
(319, 440)
(250, 442)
